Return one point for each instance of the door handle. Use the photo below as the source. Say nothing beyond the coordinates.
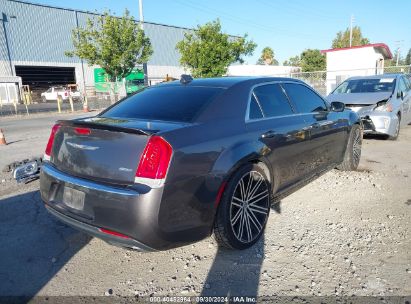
(268, 134)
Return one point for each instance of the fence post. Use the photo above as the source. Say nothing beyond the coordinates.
(15, 106)
(85, 104)
(59, 100)
(71, 104)
(27, 109)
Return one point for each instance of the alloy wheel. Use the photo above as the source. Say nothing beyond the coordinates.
(356, 147)
(249, 207)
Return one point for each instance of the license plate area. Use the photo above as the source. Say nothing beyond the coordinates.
(73, 198)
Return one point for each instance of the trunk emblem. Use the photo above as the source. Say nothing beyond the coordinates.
(125, 169)
(82, 147)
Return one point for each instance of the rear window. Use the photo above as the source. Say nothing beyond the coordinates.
(180, 103)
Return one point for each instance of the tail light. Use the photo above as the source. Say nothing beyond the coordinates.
(65, 94)
(154, 162)
(49, 146)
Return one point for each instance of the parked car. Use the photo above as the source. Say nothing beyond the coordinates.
(53, 92)
(171, 164)
(74, 92)
(382, 101)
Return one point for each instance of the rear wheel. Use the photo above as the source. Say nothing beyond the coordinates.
(353, 152)
(43, 99)
(244, 209)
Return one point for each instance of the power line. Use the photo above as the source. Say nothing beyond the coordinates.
(297, 9)
(236, 19)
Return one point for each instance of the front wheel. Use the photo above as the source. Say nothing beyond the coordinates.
(353, 152)
(397, 129)
(244, 209)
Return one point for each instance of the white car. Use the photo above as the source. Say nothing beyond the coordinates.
(53, 92)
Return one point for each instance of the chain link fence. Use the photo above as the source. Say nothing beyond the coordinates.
(95, 99)
(88, 100)
(326, 81)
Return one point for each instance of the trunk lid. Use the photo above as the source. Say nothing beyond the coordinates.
(103, 149)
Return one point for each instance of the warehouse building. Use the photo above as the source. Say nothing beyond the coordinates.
(35, 37)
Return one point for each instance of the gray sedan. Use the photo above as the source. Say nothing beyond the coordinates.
(382, 101)
(176, 162)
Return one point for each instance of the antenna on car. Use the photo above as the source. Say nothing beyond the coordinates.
(186, 79)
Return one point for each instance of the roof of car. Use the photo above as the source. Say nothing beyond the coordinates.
(391, 75)
(226, 82)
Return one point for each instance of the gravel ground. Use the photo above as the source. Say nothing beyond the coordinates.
(344, 234)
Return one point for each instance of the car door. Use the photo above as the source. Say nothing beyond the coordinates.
(328, 130)
(49, 94)
(403, 90)
(273, 121)
(53, 95)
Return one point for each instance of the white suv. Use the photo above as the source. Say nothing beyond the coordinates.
(53, 92)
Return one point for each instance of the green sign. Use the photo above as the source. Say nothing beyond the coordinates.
(134, 81)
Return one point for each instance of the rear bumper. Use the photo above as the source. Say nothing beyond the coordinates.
(132, 211)
(94, 231)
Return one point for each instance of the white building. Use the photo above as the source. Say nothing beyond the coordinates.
(355, 61)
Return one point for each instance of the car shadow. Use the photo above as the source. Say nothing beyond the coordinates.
(375, 137)
(236, 273)
(34, 246)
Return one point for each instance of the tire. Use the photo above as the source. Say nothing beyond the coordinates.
(43, 99)
(240, 223)
(353, 152)
(397, 129)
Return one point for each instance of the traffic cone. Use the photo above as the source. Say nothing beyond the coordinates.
(2, 138)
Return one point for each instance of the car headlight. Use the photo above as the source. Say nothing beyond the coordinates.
(383, 106)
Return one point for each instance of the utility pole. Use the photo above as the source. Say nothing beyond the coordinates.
(398, 43)
(140, 10)
(351, 23)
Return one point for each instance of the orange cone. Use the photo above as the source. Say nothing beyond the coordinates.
(2, 138)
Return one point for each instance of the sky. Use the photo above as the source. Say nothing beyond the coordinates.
(287, 26)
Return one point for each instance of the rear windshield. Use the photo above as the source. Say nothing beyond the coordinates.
(366, 86)
(180, 103)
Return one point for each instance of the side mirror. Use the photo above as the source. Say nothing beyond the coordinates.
(337, 106)
(400, 94)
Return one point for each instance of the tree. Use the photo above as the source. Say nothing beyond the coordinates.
(208, 52)
(342, 39)
(312, 60)
(407, 60)
(267, 57)
(116, 44)
(293, 61)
